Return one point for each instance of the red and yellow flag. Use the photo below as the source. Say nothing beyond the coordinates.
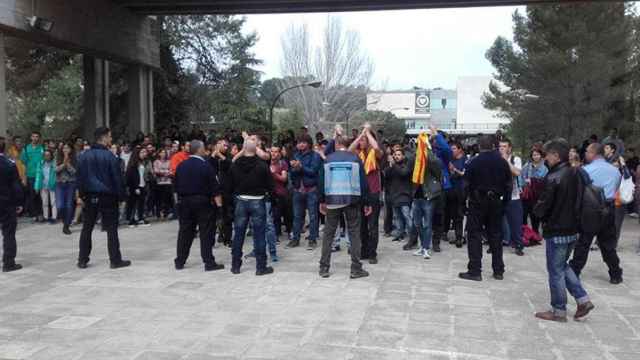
(422, 157)
(369, 160)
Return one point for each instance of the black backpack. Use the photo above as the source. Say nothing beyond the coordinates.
(591, 205)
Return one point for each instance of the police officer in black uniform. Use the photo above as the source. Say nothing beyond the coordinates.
(489, 184)
(10, 196)
(197, 187)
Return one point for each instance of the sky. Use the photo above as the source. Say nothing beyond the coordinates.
(425, 48)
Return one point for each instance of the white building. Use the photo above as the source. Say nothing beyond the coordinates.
(457, 111)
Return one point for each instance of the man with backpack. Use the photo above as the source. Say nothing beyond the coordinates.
(556, 209)
(606, 179)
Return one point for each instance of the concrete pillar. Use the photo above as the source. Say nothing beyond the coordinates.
(96, 95)
(4, 121)
(141, 116)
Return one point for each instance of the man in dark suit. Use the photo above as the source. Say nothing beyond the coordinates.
(10, 198)
(101, 187)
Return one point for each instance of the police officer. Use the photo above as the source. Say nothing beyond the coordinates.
(606, 177)
(10, 197)
(489, 182)
(197, 186)
(101, 187)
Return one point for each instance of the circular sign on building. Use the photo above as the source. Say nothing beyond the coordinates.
(423, 102)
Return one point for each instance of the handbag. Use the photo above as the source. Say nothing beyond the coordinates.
(627, 188)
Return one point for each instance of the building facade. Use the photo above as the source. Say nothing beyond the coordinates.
(458, 111)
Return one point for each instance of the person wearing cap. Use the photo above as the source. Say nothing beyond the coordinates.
(305, 172)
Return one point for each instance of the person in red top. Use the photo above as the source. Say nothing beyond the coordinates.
(179, 157)
(366, 147)
(281, 202)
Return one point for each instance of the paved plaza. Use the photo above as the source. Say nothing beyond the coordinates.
(409, 308)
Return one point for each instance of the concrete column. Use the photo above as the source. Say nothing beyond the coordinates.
(96, 95)
(141, 117)
(4, 121)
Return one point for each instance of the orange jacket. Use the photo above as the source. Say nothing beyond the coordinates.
(176, 159)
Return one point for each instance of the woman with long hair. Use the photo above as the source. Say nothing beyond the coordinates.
(533, 174)
(137, 187)
(66, 185)
(164, 195)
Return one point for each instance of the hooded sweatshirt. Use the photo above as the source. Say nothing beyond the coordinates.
(249, 176)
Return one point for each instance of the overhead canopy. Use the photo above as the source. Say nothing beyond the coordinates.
(175, 7)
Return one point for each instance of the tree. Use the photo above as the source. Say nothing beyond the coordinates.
(394, 129)
(340, 63)
(573, 56)
(216, 60)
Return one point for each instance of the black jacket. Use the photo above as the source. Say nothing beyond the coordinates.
(489, 172)
(249, 175)
(10, 188)
(557, 203)
(398, 183)
(196, 176)
(99, 172)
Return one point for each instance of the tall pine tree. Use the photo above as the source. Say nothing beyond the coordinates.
(575, 58)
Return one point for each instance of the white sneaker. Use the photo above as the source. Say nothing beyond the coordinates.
(427, 254)
(419, 252)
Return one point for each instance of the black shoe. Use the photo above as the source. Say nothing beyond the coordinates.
(120, 264)
(312, 245)
(396, 239)
(373, 260)
(213, 267)
(519, 252)
(459, 243)
(409, 246)
(498, 276)
(179, 266)
(65, 230)
(266, 271)
(436, 247)
(469, 276)
(387, 235)
(83, 264)
(235, 271)
(489, 251)
(10, 268)
(359, 274)
(293, 243)
(616, 280)
(335, 248)
(324, 273)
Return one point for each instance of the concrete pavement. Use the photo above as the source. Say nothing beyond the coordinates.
(409, 308)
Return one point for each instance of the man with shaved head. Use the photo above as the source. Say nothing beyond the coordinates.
(605, 177)
(250, 183)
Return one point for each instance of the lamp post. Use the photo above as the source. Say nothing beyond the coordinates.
(313, 84)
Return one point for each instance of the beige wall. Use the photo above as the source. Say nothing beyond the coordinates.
(94, 27)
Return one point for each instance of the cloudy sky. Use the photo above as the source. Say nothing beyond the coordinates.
(426, 48)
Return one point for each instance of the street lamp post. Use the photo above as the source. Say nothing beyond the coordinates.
(313, 84)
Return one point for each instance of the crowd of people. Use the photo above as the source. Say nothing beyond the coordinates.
(427, 192)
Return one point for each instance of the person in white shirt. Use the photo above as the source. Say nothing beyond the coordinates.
(513, 211)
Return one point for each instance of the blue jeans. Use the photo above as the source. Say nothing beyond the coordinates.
(422, 220)
(562, 277)
(65, 193)
(256, 210)
(270, 229)
(514, 214)
(309, 202)
(402, 217)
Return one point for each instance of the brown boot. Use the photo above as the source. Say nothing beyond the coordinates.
(583, 310)
(550, 316)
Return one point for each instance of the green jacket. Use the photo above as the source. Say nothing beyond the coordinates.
(32, 157)
(51, 185)
(432, 186)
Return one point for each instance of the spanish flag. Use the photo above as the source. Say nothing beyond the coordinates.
(422, 157)
(369, 160)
